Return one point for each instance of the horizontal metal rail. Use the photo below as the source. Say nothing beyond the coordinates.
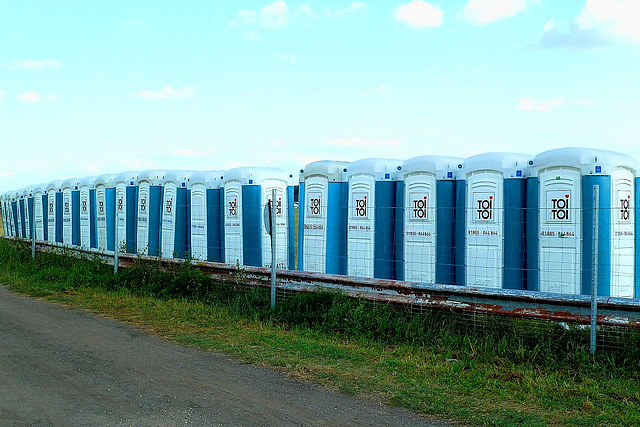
(620, 312)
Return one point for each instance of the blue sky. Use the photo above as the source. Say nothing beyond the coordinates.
(95, 87)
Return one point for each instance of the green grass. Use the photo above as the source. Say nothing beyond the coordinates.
(501, 375)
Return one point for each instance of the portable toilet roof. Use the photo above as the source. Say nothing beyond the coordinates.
(181, 178)
(211, 179)
(512, 165)
(126, 177)
(107, 179)
(28, 191)
(382, 169)
(586, 159)
(255, 175)
(438, 165)
(152, 176)
(54, 185)
(88, 181)
(71, 183)
(334, 170)
(40, 188)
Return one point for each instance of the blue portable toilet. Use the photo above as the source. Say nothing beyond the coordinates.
(371, 221)
(426, 223)
(127, 210)
(247, 191)
(40, 211)
(54, 217)
(322, 217)
(71, 212)
(150, 211)
(491, 205)
(563, 187)
(29, 210)
(206, 216)
(176, 214)
(20, 211)
(24, 208)
(88, 216)
(105, 211)
(7, 216)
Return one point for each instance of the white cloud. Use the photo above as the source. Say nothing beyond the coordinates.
(419, 14)
(191, 152)
(599, 23)
(482, 12)
(305, 10)
(363, 142)
(291, 59)
(252, 35)
(274, 15)
(528, 104)
(167, 92)
(354, 7)
(586, 102)
(379, 89)
(32, 64)
(2, 95)
(31, 97)
(247, 16)
(5, 174)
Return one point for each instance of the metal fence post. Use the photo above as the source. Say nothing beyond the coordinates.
(273, 247)
(115, 240)
(594, 269)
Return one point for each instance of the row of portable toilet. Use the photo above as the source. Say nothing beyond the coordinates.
(498, 220)
(208, 215)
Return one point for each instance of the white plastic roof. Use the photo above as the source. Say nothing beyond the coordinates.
(87, 181)
(28, 191)
(126, 178)
(211, 179)
(255, 176)
(586, 159)
(507, 163)
(107, 179)
(381, 169)
(54, 185)
(181, 178)
(438, 165)
(70, 183)
(152, 176)
(333, 170)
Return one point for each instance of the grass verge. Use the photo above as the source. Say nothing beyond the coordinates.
(511, 372)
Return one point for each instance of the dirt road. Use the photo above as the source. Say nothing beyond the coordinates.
(67, 367)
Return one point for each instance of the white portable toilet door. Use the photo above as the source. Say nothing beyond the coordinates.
(622, 233)
(199, 222)
(316, 195)
(121, 216)
(143, 218)
(560, 231)
(51, 216)
(85, 219)
(37, 216)
(101, 217)
(233, 222)
(361, 233)
(420, 227)
(484, 239)
(281, 224)
(66, 216)
(26, 218)
(168, 220)
(19, 210)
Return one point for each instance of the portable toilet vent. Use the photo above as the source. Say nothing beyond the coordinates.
(70, 212)
(54, 211)
(426, 223)
(322, 218)
(150, 211)
(491, 197)
(176, 214)
(372, 217)
(247, 192)
(105, 212)
(88, 220)
(206, 216)
(127, 210)
(39, 211)
(565, 186)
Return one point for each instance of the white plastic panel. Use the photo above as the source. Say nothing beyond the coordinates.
(143, 218)
(168, 220)
(233, 222)
(622, 233)
(85, 218)
(37, 216)
(268, 185)
(121, 216)
(361, 220)
(101, 217)
(66, 216)
(316, 194)
(26, 217)
(51, 216)
(484, 224)
(19, 209)
(420, 227)
(199, 221)
(560, 230)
